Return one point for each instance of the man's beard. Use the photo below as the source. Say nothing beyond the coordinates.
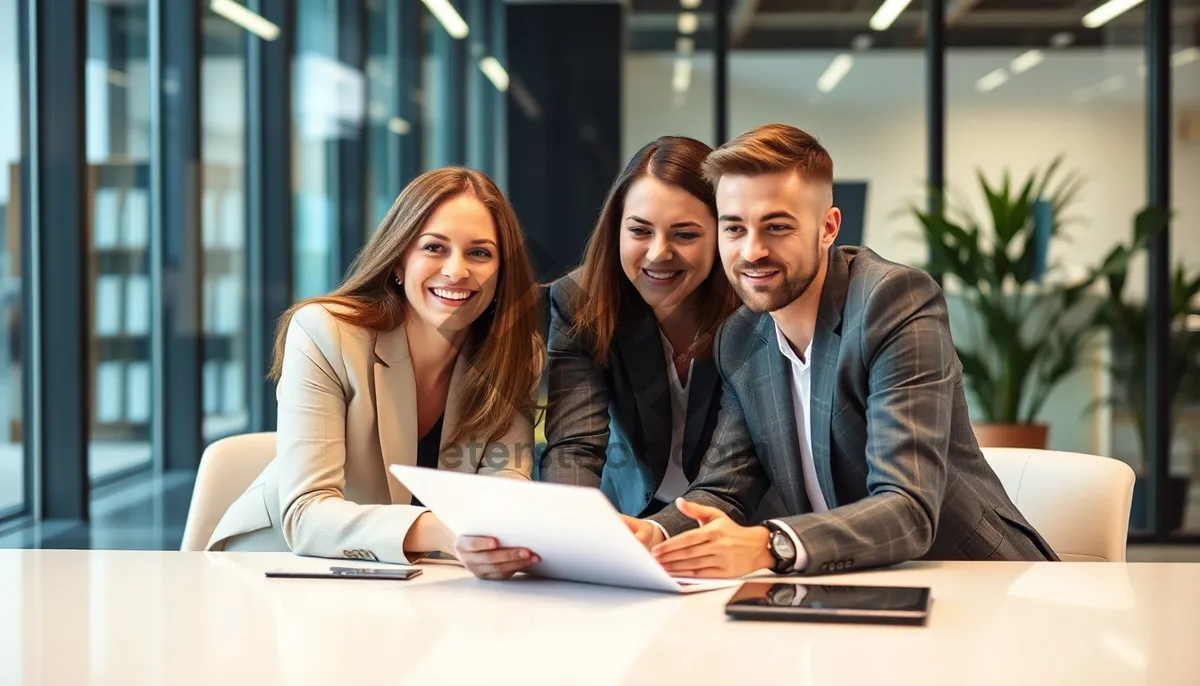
(772, 298)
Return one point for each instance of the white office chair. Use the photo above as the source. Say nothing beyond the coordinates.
(1079, 503)
(227, 467)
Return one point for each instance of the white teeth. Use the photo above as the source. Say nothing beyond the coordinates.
(757, 275)
(451, 295)
(660, 275)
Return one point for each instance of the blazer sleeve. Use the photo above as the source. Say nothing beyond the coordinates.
(317, 519)
(577, 422)
(731, 478)
(912, 370)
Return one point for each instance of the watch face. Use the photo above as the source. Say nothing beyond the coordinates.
(782, 544)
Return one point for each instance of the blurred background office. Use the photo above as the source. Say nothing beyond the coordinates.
(175, 173)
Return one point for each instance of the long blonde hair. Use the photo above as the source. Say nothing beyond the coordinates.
(505, 342)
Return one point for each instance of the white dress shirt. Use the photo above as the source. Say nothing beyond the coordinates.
(675, 482)
(800, 373)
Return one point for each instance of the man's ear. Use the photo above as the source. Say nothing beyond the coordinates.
(831, 225)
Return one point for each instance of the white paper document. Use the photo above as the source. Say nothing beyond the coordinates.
(574, 530)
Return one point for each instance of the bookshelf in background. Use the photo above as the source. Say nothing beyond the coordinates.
(223, 232)
(121, 319)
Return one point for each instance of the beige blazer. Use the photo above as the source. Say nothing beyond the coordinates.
(347, 410)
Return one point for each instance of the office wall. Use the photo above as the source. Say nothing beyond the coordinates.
(873, 124)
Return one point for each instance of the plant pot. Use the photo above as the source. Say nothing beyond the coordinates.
(1011, 435)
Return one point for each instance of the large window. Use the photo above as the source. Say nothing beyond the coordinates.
(327, 110)
(668, 84)
(118, 128)
(1025, 93)
(13, 470)
(223, 222)
(1184, 486)
(393, 121)
(857, 83)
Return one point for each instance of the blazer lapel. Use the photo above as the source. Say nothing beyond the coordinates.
(702, 387)
(771, 398)
(642, 354)
(827, 341)
(395, 407)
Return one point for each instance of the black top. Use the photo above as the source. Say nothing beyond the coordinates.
(427, 450)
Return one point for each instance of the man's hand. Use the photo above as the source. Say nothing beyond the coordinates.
(648, 534)
(719, 548)
(484, 557)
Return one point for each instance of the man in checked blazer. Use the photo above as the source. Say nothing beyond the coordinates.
(841, 388)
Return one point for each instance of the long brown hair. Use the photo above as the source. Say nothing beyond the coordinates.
(604, 298)
(505, 341)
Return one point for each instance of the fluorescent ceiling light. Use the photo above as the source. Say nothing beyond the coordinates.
(862, 41)
(1108, 11)
(689, 4)
(835, 72)
(448, 17)
(1062, 39)
(495, 72)
(682, 78)
(687, 23)
(1026, 61)
(887, 13)
(685, 46)
(399, 126)
(247, 19)
(1180, 58)
(1109, 85)
(1185, 56)
(991, 81)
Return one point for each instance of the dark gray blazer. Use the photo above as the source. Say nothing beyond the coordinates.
(611, 427)
(894, 451)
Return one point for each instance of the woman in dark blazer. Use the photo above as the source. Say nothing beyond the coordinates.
(633, 392)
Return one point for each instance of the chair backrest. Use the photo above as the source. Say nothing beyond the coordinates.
(1078, 503)
(227, 467)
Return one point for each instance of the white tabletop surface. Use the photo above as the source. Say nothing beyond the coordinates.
(115, 617)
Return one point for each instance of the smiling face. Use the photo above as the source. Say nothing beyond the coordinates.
(668, 242)
(450, 272)
(776, 230)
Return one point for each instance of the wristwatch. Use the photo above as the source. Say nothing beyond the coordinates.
(781, 547)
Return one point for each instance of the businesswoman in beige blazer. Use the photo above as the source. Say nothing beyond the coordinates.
(429, 354)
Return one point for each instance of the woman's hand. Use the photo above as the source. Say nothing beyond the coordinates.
(484, 557)
(427, 535)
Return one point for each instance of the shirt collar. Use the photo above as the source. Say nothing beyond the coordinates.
(786, 349)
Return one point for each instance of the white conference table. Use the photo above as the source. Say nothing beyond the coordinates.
(118, 617)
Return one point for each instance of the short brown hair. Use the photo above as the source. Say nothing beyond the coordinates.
(770, 149)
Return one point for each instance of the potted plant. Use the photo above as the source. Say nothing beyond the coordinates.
(1127, 321)
(1026, 333)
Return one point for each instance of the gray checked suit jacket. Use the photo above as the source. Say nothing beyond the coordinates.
(892, 442)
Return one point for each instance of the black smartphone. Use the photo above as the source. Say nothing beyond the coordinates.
(824, 603)
(380, 573)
